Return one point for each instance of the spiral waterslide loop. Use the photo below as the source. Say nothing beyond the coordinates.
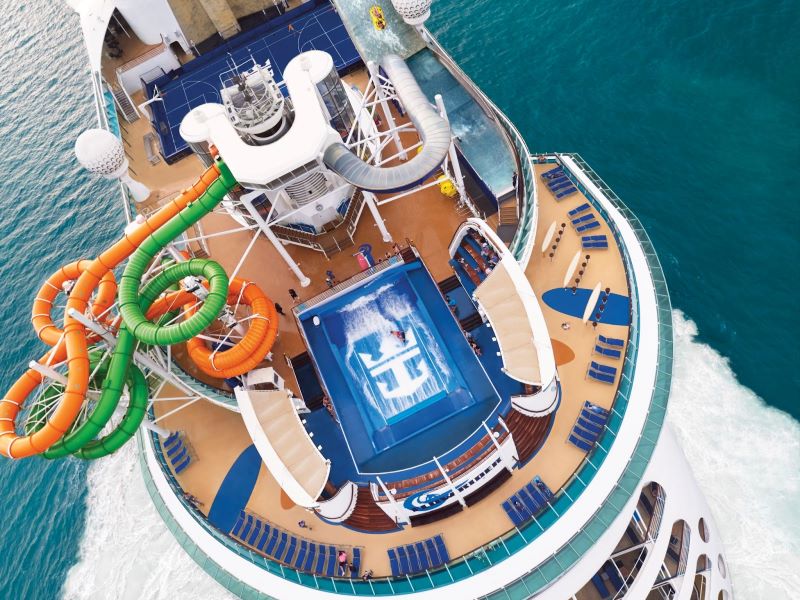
(72, 345)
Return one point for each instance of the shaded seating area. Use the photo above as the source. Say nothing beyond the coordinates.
(528, 502)
(611, 347)
(601, 372)
(416, 558)
(588, 427)
(507, 301)
(434, 478)
(596, 242)
(476, 256)
(177, 452)
(298, 553)
(284, 444)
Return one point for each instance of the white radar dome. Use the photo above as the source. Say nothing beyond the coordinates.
(101, 152)
(414, 12)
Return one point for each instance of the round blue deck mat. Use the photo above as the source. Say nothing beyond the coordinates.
(617, 311)
(235, 490)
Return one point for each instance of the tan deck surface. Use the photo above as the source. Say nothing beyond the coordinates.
(218, 436)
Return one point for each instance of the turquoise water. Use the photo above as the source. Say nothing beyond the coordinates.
(689, 110)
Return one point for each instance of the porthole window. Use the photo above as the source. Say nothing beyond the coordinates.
(703, 527)
(721, 565)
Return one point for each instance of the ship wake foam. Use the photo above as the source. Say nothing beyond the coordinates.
(746, 458)
(745, 455)
(127, 552)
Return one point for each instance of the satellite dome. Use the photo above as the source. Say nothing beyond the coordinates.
(101, 152)
(414, 12)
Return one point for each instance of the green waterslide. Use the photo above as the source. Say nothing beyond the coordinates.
(133, 305)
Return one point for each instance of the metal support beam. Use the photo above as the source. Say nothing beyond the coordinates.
(387, 113)
(369, 198)
(453, 488)
(304, 281)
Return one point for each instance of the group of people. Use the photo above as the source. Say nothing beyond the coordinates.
(473, 344)
(326, 402)
(488, 254)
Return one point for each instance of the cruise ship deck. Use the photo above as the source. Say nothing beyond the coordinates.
(473, 358)
(219, 438)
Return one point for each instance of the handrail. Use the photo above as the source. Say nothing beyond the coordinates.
(521, 245)
(153, 52)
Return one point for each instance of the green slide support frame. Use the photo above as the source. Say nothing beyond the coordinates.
(133, 306)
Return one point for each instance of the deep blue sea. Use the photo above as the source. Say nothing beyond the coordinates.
(689, 110)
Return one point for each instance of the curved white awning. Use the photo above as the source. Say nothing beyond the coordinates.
(94, 15)
(284, 445)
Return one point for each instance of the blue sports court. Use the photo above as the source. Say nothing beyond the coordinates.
(312, 26)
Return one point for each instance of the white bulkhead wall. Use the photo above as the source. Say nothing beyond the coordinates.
(152, 20)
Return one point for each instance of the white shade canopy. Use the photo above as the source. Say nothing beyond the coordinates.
(587, 313)
(548, 236)
(283, 443)
(571, 269)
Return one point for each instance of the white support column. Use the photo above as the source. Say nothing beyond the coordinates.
(369, 198)
(387, 113)
(48, 372)
(453, 488)
(399, 515)
(459, 178)
(161, 431)
(262, 224)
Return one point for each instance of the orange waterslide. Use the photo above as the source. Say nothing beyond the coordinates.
(41, 314)
(73, 344)
(245, 355)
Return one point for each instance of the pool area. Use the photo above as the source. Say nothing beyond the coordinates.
(391, 394)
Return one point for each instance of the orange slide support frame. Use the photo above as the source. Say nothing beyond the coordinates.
(251, 349)
(72, 345)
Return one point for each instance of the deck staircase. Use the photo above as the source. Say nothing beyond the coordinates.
(124, 104)
(529, 433)
(507, 220)
(367, 515)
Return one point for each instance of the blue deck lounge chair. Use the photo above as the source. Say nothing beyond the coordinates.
(439, 541)
(585, 446)
(393, 563)
(405, 566)
(356, 563)
(436, 560)
(554, 172)
(603, 377)
(594, 417)
(566, 192)
(579, 209)
(609, 341)
(604, 368)
(583, 219)
(590, 427)
(588, 226)
(610, 352)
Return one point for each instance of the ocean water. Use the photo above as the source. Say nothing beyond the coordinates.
(689, 110)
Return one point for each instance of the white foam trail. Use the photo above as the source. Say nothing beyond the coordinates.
(126, 551)
(746, 457)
